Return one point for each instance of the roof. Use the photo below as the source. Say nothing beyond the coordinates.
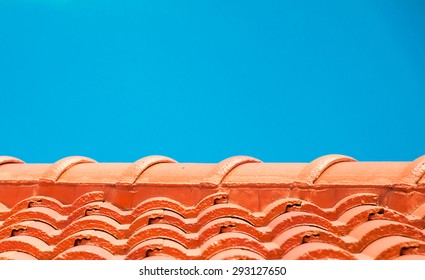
(241, 208)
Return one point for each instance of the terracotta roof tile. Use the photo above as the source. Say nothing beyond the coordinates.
(241, 208)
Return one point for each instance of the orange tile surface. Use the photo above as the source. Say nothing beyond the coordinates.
(241, 208)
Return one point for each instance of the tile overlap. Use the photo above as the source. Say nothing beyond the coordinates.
(156, 208)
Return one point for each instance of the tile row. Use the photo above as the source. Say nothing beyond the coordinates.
(357, 227)
(323, 182)
(233, 170)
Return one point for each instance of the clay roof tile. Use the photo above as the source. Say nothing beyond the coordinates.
(241, 208)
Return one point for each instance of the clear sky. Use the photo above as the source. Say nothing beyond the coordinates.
(199, 81)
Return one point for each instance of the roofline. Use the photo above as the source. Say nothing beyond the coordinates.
(323, 170)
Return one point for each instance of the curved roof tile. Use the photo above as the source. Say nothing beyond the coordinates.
(240, 208)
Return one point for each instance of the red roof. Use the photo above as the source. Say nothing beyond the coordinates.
(331, 208)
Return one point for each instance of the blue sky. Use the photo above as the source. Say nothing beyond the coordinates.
(199, 81)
